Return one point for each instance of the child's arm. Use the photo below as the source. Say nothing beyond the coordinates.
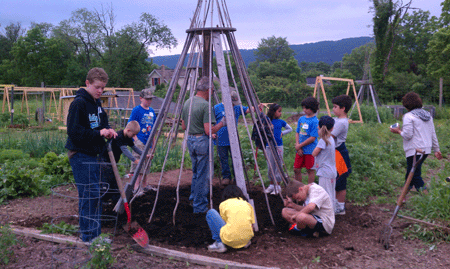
(128, 154)
(288, 130)
(306, 142)
(316, 151)
(290, 204)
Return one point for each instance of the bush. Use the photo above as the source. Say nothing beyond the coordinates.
(21, 119)
(12, 154)
(21, 178)
(57, 165)
(442, 114)
(369, 114)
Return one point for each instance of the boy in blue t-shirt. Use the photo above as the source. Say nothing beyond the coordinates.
(306, 139)
(223, 141)
(145, 116)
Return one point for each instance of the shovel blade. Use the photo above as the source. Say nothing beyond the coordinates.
(137, 233)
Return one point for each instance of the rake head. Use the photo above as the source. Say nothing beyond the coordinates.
(385, 235)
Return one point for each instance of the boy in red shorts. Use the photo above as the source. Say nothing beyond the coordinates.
(306, 139)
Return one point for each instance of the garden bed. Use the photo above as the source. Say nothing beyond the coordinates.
(353, 243)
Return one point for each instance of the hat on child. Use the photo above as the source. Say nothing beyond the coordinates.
(235, 98)
(327, 121)
(146, 94)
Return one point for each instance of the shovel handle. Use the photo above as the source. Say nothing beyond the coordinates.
(410, 176)
(116, 171)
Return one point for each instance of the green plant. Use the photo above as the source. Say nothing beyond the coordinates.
(12, 154)
(21, 178)
(7, 240)
(60, 228)
(100, 250)
(368, 114)
(442, 114)
(57, 165)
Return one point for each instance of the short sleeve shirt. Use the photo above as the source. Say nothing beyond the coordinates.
(222, 135)
(278, 124)
(326, 159)
(199, 115)
(146, 119)
(340, 130)
(306, 128)
(324, 208)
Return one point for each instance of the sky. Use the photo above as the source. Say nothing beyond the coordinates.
(299, 21)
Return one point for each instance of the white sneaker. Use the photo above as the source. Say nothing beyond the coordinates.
(276, 190)
(270, 189)
(217, 247)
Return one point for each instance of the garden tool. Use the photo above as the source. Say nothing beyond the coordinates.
(425, 222)
(133, 228)
(386, 231)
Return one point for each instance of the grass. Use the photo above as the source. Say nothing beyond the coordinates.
(377, 156)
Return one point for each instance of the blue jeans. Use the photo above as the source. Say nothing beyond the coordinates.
(87, 173)
(223, 151)
(199, 151)
(215, 223)
(417, 180)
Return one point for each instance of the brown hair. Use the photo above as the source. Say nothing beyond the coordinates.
(292, 187)
(411, 101)
(343, 101)
(133, 126)
(97, 73)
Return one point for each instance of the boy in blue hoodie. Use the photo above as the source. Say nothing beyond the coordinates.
(87, 128)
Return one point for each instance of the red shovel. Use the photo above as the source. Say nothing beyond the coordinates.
(133, 228)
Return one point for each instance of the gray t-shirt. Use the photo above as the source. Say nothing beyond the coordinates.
(326, 159)
(324, 208)
(199, 115)
(340, 130)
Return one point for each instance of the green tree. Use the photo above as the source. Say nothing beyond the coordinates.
(273, 49)
(39, 59)
(439, 54)
(415, 32)
(387, 17)
(356, 61)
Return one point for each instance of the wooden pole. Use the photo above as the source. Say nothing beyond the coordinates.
(441, 86)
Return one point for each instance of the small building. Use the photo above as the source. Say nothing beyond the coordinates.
(163, 75)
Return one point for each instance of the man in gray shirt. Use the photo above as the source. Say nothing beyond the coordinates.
(197, 117)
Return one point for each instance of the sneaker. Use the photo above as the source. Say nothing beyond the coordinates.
(276, 190)
(270, 189)
(339, 211)
(294, 227)
(248, 244)
(217, 247)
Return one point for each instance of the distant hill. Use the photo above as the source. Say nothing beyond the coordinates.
(323, 51)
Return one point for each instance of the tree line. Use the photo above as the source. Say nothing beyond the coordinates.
(61, 55)
(410, 53)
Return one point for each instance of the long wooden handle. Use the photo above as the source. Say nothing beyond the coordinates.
(116, 173)
(410, 176)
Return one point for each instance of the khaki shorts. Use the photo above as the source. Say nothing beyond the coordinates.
(141, 146)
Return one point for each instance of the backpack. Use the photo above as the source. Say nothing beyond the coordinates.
(264, 126)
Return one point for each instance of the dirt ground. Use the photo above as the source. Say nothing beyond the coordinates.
(353, 243)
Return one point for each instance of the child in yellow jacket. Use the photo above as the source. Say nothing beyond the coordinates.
(234, 225)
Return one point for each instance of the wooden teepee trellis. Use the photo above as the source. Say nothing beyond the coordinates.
(201, 42)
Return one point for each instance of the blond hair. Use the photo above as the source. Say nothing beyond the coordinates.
(292, 187)
(97, 73)
(133, 126)
(324, 134)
